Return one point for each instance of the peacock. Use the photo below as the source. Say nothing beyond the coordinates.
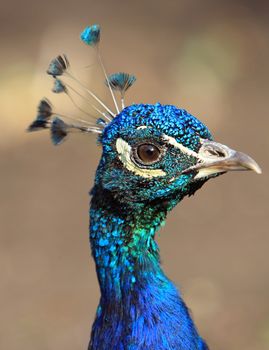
(153, 155)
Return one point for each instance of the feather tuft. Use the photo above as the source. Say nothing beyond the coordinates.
(44, 109)
(91, 35)
(121, 81)
(42, 120)
(59, 131)
(58, 66)
(59, 87)
(38, 125)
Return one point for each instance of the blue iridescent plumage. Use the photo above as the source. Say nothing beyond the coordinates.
(153, 156)
(140, 306)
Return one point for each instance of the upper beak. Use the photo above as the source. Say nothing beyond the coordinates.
(214, 158)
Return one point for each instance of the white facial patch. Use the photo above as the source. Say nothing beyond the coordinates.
(124, 151)
(207, 172)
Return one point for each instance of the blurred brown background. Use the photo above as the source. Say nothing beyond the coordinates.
(210, 57)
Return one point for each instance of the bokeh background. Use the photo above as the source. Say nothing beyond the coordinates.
(209, 57)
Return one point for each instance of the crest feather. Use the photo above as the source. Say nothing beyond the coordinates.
(58, 86)
(121, 81)
(59, 131)
(58, 66)
(44, 112)
(91, 35)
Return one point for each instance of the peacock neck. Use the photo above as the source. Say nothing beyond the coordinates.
(122, 242)
(139, 306)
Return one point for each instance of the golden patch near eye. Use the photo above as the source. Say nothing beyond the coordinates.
(124, 150)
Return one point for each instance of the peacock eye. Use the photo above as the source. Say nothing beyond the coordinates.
(148, 153)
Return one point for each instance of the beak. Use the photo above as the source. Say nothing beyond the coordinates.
(215, 158)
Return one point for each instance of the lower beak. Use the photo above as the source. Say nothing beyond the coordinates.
(214, 158)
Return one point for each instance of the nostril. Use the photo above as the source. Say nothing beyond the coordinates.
(215, 152)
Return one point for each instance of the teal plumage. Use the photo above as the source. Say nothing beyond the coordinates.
(152, 157)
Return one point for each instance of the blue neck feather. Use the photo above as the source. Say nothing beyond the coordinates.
(139, 306)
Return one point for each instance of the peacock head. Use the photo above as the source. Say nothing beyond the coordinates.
(149, 151)
(158, 151)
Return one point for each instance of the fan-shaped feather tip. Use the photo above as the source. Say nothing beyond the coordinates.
(91, 35)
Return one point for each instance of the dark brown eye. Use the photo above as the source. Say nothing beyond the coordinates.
(148, 153)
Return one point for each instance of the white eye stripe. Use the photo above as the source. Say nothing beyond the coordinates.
(124, 151)
(200, 156)
(183, 149)
(142, 127)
